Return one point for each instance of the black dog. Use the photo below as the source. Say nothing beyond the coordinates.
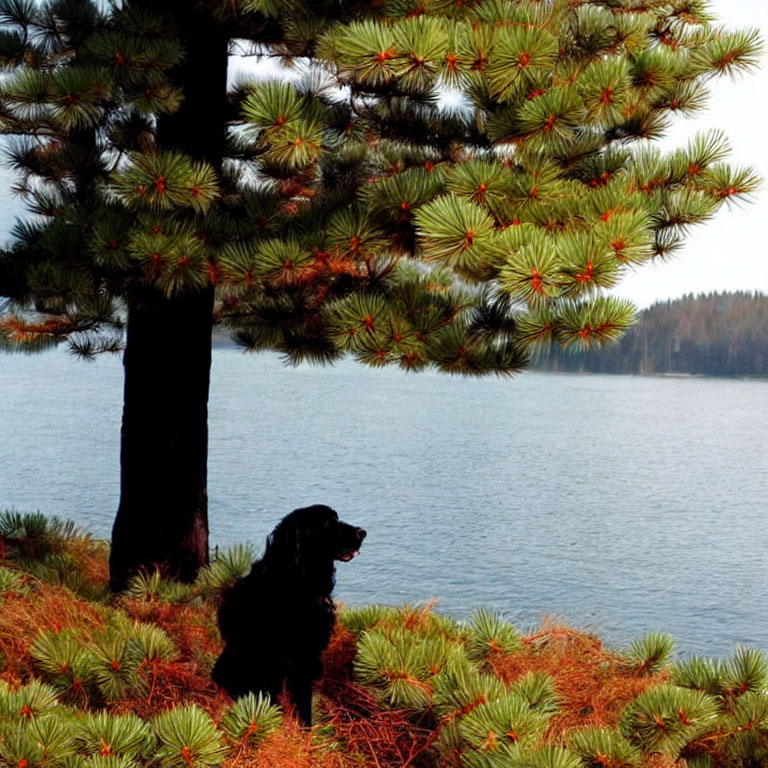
(277, 621)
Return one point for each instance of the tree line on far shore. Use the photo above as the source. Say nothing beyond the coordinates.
(714, 334)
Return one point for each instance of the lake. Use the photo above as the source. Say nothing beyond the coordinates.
(620, 504)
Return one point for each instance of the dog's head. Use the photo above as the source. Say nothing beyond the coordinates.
(315, 536)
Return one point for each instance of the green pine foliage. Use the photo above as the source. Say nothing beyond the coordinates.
(353, 186)
(498, 726)
(124, 736)
(226, 567)
(461, 688)
(604, 747)
(652, 651)
(120, 662)
(32, 700)
(11, 583)
(490, 634)
(395, 664)
(746, 671)
(38, 729)
(699, 673)
(48, 548)
(81, 86)
(152, 587)
(539, 690)
(361, 619)
(250, 720)
(113, 667)
(33, 536)
(63, 661)
(187, 736)
(666, 719)
(152, 646)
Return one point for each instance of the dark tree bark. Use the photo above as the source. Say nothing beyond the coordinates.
(162, 520)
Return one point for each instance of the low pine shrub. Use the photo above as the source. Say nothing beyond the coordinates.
(87, 682)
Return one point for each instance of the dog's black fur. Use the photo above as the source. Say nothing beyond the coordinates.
(277, 621)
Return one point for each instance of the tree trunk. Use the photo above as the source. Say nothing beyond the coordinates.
(162, 520)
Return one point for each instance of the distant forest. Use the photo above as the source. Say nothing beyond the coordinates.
(715, 334)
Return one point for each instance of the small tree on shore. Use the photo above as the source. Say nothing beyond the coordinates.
(346, 210)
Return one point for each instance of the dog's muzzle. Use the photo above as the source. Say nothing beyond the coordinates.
(360, 534)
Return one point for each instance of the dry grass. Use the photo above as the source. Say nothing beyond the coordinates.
(292, 747)
(339, 655)
(45, 607)
(356, 730)
(186, 680)
(594, 683)
(93, 559)
(192, 626)
(174, 684)
(372, 734)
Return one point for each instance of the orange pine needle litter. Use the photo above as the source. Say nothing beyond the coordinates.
(356, 730)
(46, 607)
(593, 683)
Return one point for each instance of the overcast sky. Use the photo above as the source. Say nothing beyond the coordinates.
(728, 253)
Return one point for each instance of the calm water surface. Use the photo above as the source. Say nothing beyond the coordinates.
(621, 504)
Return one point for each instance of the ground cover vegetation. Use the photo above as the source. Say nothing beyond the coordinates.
(90, 680)
(346, 211)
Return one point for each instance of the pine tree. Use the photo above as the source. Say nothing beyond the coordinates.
(348, 210)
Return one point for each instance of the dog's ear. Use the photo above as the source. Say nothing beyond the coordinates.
(285, 545)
